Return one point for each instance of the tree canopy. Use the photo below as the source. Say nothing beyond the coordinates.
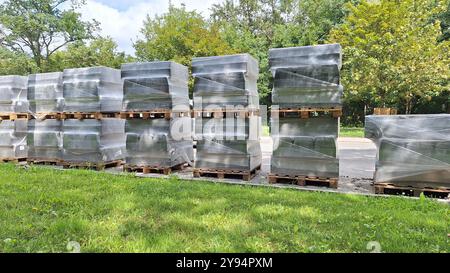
(392, 53)
(42, 27)
(179, 35)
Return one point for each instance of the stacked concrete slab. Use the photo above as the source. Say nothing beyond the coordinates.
(413, 150)
(226, 104)
(93, 89)
(225, 81)
(155, 86)
(96, 141)
(157, 141)
(13, 139)
(45, 92)
(45, 95)
(306, 81)
(93, 141)
(13, 94)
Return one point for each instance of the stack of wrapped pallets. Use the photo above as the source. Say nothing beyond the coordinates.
(227, 121)
(158, 121)
(13, 118)
(413, 153)
(306, 108)
(45, 96)
(93, 134)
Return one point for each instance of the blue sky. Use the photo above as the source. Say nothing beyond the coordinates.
(122, 20)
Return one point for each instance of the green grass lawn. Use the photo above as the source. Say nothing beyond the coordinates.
(351, 132)
(44, 209)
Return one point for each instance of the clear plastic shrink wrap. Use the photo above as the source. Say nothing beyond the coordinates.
(305, 147)
(228, 143)
(93, 89)
(13, 94)
(413, 150)
(45, 139)
(225, 81)
(307, 76)
(93, 141)
(13, 139)
(159, 142)
(155, 85)
(45, 92)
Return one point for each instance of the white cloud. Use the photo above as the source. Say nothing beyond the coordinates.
(123, 23)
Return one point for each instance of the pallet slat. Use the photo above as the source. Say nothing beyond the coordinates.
(227, 174)
(304, 181)
(96, 115)
(92, 166)
(305, 113)
(14, 116)
(392, 189)
(13, 160)
(223, 113)
(153, 169)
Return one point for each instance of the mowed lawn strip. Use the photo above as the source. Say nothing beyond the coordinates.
(45, 209)
(351, 132)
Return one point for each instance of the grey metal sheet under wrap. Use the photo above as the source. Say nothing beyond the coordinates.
(94, 89)
(307, 76)
(13, 94)
(223, 81)
(94, 141)
(45, 92)
(13, 138)
(155, 85)
(158, 142)
(305, 147)
(413, 150)
(45, 139)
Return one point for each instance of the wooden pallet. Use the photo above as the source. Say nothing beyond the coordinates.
(153, 169)
(91, 166)
(44, 161)
(309, 112)
(13, 160)
(14, 116)
(44, 116)
(300, 180)
(96, 115)
(227, 174)
(221, 113)
(167, 114)
(384, 111)
(391, 189)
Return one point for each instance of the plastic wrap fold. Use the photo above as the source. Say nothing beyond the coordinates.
(305, 147)
(13, 139)
(413, 150)
(13, 94)
(307, 76)
(45, 139)
(159, 142)
(155, 85)
(45, 92)
(94, 141)
(223, 81)
(94, 89)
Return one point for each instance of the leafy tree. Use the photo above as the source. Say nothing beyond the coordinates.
(392, 56)
(99, 52)
(255, 26)
(444, 18)
(42, 27)
(12, 63)
(179, 35)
